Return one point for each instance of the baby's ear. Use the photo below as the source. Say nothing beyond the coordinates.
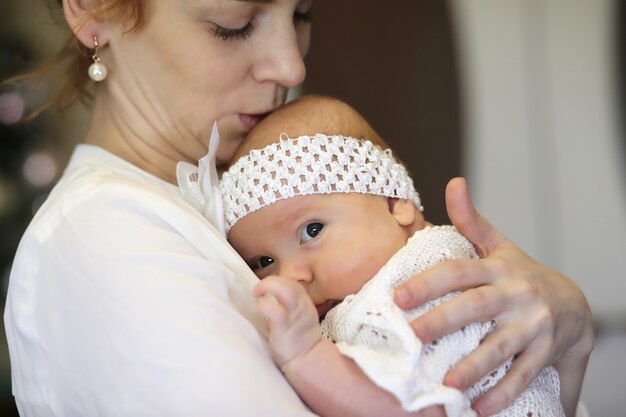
(405, 213)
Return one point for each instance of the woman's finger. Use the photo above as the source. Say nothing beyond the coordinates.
(468, 221)
(524, 369)
(475, 305)
(498, 346)
(454, 275)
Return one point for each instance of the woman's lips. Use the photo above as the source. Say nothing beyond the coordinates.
(251, 120)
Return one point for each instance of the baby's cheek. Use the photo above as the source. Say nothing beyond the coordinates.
(355, 275)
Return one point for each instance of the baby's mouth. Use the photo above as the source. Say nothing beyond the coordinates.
(325, 307)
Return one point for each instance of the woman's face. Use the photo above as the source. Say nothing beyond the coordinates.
(196, 61)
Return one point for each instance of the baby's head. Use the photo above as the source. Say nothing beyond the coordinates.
(309, 115)
(314, 194)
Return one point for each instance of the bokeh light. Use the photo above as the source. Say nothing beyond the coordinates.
(40, 169)
(12, 106)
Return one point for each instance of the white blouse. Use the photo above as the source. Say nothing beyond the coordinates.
(125, 301)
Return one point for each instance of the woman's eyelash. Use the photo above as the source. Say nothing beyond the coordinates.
(227, 34)
(302, 17)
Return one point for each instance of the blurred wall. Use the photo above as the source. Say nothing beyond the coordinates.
(545, 158)
(396, 64)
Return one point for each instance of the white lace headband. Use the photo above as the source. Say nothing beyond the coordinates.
(307, 165)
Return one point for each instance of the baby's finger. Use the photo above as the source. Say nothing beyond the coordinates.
(285, 290)
(275, 314)
(476, 305)
(522, 372)
(500, 345)
(432, 411)
(455, 275)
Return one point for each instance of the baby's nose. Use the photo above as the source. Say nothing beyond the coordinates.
(298, 271)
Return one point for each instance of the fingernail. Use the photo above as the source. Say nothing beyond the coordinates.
(455, 381)
(482, 408)
(422, 332)
(402, 296)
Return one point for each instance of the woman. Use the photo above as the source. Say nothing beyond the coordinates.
(124, 300)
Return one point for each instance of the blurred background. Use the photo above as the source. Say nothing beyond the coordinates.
(525, 98)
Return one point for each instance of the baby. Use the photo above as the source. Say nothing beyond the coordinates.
(330, 222)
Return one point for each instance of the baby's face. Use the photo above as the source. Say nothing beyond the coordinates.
(332, 244)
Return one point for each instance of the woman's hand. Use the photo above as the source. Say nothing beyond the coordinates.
(541, 316)
(291, 316)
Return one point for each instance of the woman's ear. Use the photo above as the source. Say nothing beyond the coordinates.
(405, 213)
(81, 18)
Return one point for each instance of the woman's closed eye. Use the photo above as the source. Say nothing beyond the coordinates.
(310, 231)
(244, 32)
(231, 34)
(301, 17)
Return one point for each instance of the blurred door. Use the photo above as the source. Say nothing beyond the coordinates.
(395, 63)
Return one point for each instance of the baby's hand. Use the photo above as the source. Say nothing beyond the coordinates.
(291, 316)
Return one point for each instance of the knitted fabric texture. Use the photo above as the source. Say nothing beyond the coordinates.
(318, 164)
(369, 328)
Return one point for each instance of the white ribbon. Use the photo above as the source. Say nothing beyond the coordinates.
(199, 185)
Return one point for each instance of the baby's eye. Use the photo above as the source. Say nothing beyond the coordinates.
(310, 231)
(261, 262)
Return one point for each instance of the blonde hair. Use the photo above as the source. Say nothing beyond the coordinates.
(73, 59)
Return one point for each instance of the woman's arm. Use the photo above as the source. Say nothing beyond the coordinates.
(329, 382)
(541, 316)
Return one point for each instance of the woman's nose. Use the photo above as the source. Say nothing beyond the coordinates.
(282, 62)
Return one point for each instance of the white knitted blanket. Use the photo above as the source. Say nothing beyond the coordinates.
(369, 328)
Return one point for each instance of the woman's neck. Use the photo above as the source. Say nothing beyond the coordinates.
(132, 139)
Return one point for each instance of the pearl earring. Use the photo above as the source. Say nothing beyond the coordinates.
(97, 70)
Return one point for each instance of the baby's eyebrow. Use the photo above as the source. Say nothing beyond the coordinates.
(285, 222)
